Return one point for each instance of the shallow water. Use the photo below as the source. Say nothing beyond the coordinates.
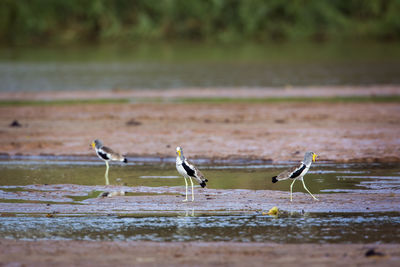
(188, 225)
(322, 177)
(164, 66)
(295, 228)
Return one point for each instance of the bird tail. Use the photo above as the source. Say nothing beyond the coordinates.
(274, 180)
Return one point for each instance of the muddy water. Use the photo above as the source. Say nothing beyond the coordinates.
(300, 228)
(21, 182)
(163, 66)
(322, 178)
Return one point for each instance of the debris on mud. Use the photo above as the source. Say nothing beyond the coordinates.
(133, 122)
(15, 123)
(112, 194)
(371, 252)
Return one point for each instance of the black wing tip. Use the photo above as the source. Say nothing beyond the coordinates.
(203, 183)
(274, 180)
(125, 160)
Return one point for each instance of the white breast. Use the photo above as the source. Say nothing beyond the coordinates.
(179, 167)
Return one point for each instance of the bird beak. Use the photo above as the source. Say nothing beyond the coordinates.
(179, 153)
(314, 156)
(93, 145)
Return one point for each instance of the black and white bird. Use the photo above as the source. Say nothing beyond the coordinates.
(297, 172)
(188, 170)
(107, 154)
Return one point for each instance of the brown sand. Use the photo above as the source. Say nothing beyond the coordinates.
(86, 253)
(278, 131)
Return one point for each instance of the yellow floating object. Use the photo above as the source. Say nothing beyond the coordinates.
(273, 211)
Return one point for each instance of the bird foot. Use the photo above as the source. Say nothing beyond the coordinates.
(185, 200)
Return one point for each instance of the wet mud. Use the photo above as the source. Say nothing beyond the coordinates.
(86, 253)
(169, 200)
(281, 131)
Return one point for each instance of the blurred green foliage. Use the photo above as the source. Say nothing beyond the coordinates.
(42, 21)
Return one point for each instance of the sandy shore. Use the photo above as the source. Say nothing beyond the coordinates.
(86, 253)
(271, 131)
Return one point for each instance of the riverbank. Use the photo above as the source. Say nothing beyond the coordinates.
(208, 124)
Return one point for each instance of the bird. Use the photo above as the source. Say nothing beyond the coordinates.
(107, 154)
(188, 170)
(297, 172)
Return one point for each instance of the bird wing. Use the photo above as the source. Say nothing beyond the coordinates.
(197, 173)
(102, 154)
(107, 150)
(112, 154)
(291, 172)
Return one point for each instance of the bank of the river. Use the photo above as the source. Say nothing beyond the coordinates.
(340, 124)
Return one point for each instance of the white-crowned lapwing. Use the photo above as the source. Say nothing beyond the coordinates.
(297, 172)
(188, 170)
(107, 154)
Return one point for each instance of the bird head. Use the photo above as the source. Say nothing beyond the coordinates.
(96, 143)
(179, 151)
(309, 157)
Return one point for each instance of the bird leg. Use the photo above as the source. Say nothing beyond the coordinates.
(186, 188)
(291, 189)
(308, 190)
(192, 188)
(106, 174)
(191, 214)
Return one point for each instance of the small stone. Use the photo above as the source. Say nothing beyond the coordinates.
(15, 123)
(372, 252)
(133, 122)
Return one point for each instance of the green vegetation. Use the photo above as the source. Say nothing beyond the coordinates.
(60, 21)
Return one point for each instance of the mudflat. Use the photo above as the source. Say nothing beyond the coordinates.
(100, 253)
(338, 131)
(142, 125)
(153, 200)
